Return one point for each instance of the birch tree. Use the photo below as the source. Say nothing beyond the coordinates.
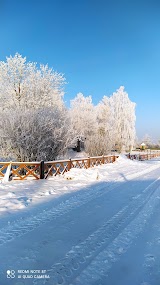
(123, 112)
(83, 120)
(109, 125)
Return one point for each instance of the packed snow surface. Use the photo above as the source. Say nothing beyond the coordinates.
(99, 226)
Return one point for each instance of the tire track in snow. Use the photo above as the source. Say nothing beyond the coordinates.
(23, 226)
(100, 243)
(100, 266)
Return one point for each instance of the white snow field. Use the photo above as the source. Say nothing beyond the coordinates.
(99, 226)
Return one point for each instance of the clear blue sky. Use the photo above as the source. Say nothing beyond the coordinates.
(98, 45)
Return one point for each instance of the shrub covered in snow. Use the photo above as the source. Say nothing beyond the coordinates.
(34, 124)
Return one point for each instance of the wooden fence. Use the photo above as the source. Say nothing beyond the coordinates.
(21, 170)
(144, 156)
(41, 170)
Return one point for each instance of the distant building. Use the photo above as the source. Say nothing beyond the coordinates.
(142, 146)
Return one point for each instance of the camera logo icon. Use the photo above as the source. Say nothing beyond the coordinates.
(10, 273)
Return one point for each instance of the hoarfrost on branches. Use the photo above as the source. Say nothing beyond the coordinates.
(109, 125)
(83, 118)
(123, 112)
(34, 124)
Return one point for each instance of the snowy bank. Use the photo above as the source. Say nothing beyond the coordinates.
(17, 195)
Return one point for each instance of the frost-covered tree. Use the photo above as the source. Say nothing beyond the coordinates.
(123, 113)
(105, 126)
(38, 135)
(34, 124)
(115, 123)
(108, 125)
(24, 84)
(83, 119)
(85, 124)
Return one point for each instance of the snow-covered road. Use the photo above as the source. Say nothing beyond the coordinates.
(99, 226)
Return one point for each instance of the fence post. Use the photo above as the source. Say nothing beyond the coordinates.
(78, 145)
(69, 164)
(42, 169)
(114, 158)
(89, 162)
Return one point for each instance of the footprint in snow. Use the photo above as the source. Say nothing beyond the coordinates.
(149, 257)
(149, 260)
(67, 271)
(120, 250)
(75, 264)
